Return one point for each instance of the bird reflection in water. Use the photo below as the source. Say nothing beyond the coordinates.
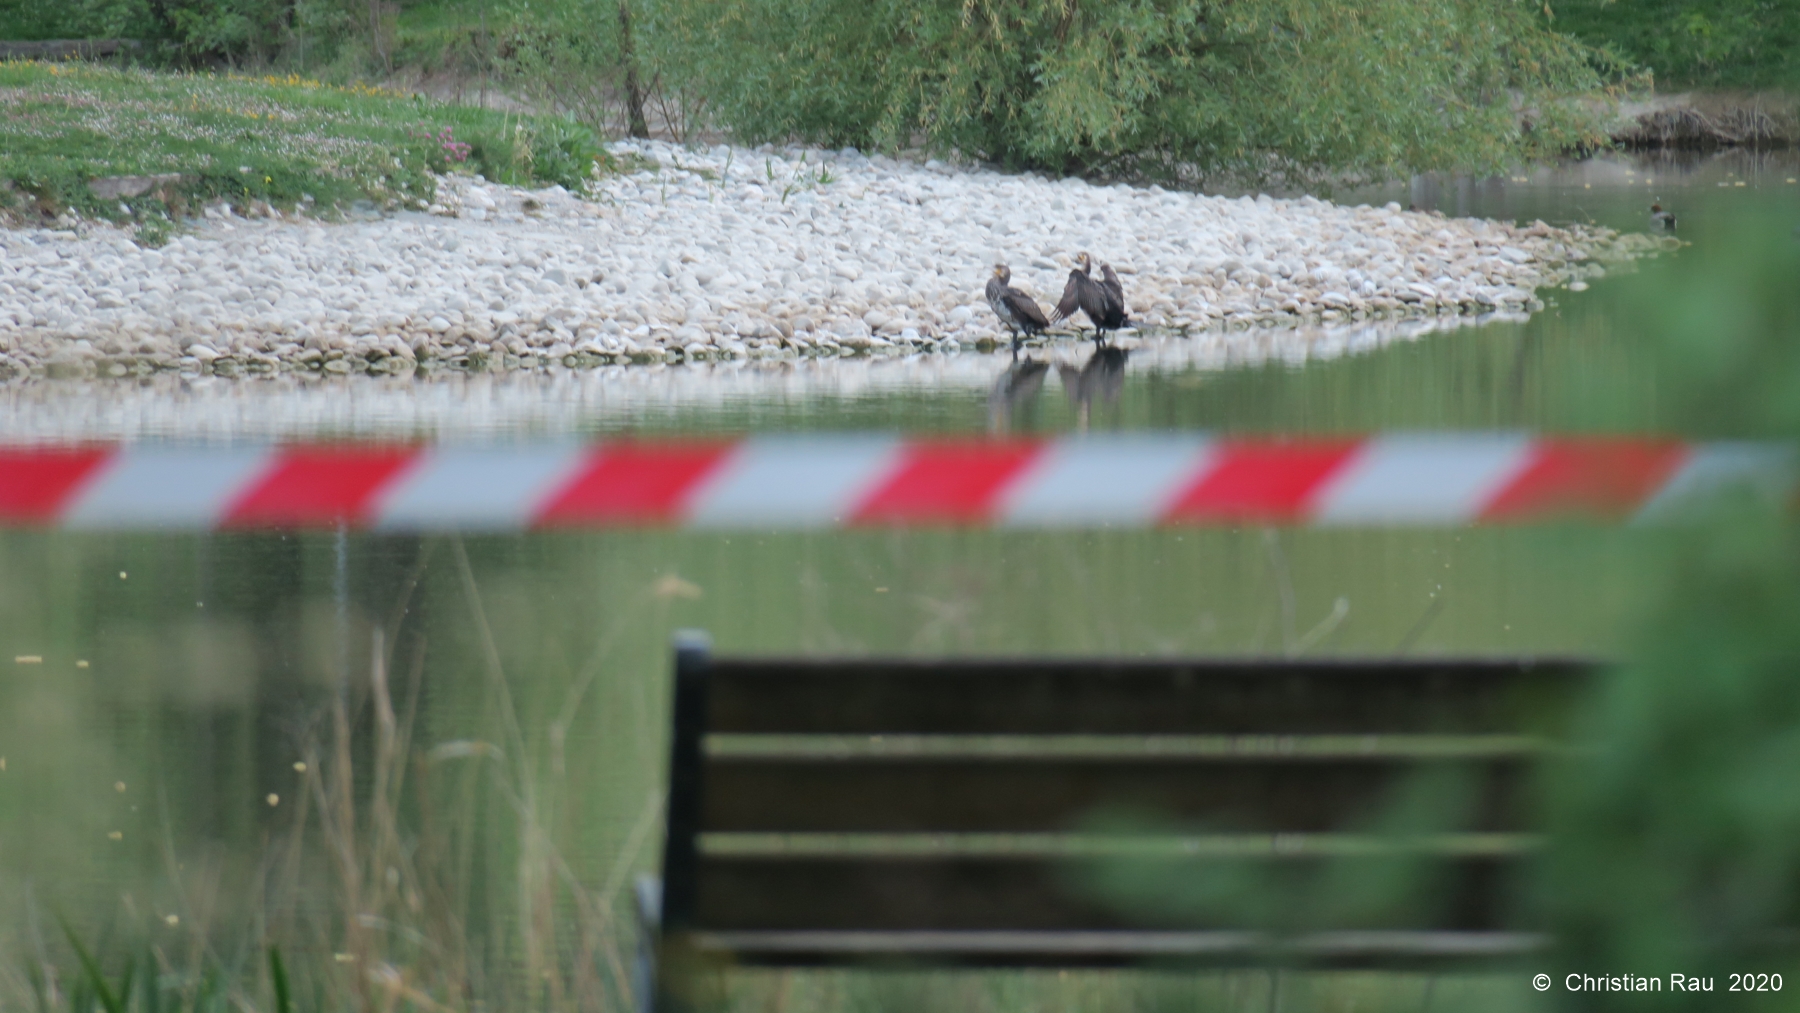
(1014, 390)
(1101, 377)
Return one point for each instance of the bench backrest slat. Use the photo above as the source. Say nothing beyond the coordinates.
(1041, 697)
(1034, 894)
(1257, 795)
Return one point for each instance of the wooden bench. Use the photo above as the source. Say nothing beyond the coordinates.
(1077, 813)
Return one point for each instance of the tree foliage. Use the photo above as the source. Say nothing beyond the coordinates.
(255, 33)
(1153, 86)
(31, 22)
(1165, 88)
(1696, 43)
(573, 56)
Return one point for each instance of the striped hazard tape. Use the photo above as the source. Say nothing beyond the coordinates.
(844, 481)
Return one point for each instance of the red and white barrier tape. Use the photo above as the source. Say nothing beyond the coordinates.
(848, 481)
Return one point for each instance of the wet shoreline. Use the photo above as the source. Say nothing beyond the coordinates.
(467, 406)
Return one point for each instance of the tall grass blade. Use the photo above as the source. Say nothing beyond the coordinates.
(203, 995)
(278, 975)
(96, 980)
(124, 994)
(40, 986)
(152, 1002)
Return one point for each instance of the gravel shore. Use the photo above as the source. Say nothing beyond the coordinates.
(736, 254)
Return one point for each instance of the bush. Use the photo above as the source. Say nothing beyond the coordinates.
(1161, 87)
(32, 22)
(565, 56)
(564, 152)
(239, 33)
(1696, 43)
(524, 151)
(192, 31)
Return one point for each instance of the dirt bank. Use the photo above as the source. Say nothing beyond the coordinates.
(1705, 121)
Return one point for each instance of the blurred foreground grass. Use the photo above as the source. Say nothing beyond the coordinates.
(532, 733)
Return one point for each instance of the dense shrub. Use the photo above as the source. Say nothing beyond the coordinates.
(1145, 85)
(531, 152)
(31, 22)
(238, 33)
(1696, 43)
(567, 55)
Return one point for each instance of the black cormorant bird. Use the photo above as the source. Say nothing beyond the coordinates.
(1661, 217)
(1102, 301)
(1018, 311)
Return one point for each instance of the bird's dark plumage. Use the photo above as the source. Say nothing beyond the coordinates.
(1113, 287)
(1019, 312)
(1661, 217)
(1103, 301)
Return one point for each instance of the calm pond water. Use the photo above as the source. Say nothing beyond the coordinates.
(157, 692)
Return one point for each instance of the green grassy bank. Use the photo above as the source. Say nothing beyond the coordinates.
(284, 140)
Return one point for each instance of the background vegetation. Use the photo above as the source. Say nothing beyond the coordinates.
(1160, 87)
(1738, 44)
(1167, 88)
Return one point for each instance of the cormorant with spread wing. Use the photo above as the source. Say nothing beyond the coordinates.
(1102, 301)
(1019, 312)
